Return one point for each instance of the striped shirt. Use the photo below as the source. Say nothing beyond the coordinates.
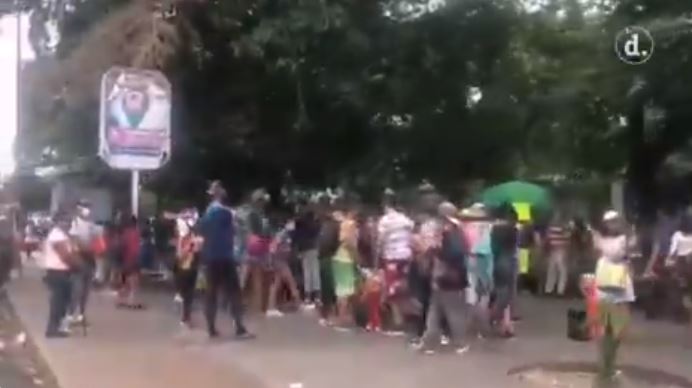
(558, 237)
(394, 233)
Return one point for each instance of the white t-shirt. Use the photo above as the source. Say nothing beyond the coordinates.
(51, 259)
(681, 244)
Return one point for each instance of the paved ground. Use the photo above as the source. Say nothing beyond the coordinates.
(147, 349)
(21, 365)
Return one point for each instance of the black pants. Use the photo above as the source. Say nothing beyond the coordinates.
(222, 275)
(60, 285)
(327, 291)
(421, 285)
(6, 261)
(186, 281)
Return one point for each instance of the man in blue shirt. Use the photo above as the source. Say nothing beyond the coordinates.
(216, 227)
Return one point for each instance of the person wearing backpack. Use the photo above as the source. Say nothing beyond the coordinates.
(449, 284)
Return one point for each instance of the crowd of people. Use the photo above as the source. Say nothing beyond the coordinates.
(444, 276)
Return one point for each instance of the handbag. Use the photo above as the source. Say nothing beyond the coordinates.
(611, 276)
(257, 246)
(98, 246)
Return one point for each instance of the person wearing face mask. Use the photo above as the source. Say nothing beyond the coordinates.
(83, 231)
(280, 252)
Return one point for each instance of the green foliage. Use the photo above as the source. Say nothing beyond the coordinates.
(376, 93)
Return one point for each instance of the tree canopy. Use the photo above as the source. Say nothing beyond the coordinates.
(372, 93)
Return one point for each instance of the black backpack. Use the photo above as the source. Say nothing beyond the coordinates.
(453, 255)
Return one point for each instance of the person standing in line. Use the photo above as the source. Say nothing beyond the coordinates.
(426, 243)
(131, 246)
(59, 258)
(258, 244)
(449, 284)
(504, 238)
(656, 271)
(678, 265)
(84, 232)
(394, 247)
(558, 239)
(281, 251)
(344, 266)
(187, 265)
(479, 264)
(216, 227)
(306, 235)
(615, 292)
(327, 245)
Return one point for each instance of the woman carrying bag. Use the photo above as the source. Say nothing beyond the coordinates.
(615, 291)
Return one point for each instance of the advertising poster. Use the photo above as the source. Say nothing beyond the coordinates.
(135, 122)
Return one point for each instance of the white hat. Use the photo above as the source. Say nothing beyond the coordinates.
(611, 215)
(477, 210)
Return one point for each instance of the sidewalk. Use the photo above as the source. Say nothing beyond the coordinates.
(123, 349)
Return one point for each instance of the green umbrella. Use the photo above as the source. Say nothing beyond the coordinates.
(517, 191)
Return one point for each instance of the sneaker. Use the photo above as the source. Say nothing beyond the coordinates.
(462, 350)
(429, 352)
(418, 345)
(177, 298)
(308, 307)
(444, 340)
(274, 313)
(245, 336)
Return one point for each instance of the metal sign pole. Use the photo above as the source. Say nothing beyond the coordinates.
(134, 193)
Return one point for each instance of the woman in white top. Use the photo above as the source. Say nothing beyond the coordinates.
(59, 259)
(614, 314)
(679, 265)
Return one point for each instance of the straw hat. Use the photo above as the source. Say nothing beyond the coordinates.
(477, 210)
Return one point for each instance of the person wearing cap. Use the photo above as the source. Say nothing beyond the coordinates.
(84, 231)
(449, 284)
(59, 258)
(216, 229)
(615, 290)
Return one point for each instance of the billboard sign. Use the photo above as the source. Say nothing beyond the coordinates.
(135, 119)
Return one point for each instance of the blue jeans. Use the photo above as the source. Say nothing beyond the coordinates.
(60, 285)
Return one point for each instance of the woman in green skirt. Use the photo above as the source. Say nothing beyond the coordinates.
(344, 265)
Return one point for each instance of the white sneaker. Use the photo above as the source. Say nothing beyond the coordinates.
(462, 350)
(308, 307)
(444, 340)
(65, 326)
(178, 298)
(274, 313)
(78, 319)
